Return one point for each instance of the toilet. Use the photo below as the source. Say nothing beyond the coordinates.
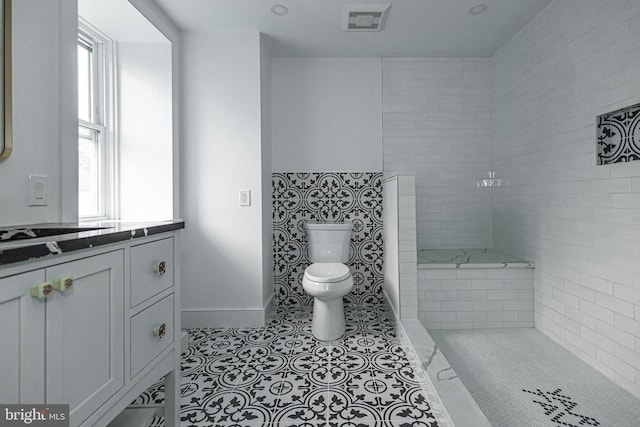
(328, 279)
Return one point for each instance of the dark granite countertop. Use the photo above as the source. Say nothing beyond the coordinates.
(17, 243)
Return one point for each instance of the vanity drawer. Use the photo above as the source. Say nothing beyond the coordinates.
(151, 332)
(151, 269)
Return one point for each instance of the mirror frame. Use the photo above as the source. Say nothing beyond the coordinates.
(6, 145)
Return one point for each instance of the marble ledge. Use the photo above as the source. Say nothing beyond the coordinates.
(93, 234)
(468, 258)
(461, 407)
(489, 265)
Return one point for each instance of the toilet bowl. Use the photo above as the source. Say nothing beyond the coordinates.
(328, 279)
(327, 283)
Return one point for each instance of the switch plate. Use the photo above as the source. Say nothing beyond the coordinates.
(245, 197)
(38, 190)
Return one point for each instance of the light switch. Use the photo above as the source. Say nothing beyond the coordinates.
(245, 197)
(38, 190)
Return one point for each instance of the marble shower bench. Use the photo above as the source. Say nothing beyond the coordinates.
(474, 289)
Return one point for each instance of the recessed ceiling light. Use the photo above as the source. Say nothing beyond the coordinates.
(478, 10)
(279, 9)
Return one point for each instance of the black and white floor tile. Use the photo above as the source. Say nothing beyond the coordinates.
(280, 375)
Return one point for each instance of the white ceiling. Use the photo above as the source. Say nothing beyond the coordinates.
(312, 28)
(120, 21)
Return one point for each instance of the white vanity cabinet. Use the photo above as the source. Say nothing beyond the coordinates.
(84, 334)
(152, 268)
(92, 328)
(81, 329)
(21, 339)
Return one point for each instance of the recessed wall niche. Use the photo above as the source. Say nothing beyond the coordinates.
(618, 134)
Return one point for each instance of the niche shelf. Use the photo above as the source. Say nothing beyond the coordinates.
(618, 136)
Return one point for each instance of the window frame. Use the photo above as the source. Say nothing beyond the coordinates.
(103, 117)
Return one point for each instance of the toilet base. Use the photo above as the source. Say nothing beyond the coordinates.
(328, 319)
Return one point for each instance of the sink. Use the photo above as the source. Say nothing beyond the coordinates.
(25, 233)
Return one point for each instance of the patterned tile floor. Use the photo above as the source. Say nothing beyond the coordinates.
(280, 375)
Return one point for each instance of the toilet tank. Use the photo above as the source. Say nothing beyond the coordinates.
(329, 242)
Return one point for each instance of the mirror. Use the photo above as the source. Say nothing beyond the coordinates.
(6, 143)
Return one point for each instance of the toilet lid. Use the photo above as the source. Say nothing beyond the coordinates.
(327, 272)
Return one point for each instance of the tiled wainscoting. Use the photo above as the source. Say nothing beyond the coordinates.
(327, 197)
(475, 296)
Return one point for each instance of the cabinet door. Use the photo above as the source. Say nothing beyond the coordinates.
(21, 340)
(85, 334)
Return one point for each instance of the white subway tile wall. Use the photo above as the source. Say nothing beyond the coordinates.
(475, 298)
(436, 124)
(407, 247)
(579, 223)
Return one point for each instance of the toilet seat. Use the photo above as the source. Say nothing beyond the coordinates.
(327, 272)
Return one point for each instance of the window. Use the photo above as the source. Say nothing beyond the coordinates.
(96, 143)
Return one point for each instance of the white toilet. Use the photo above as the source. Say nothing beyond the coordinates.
(328, 279)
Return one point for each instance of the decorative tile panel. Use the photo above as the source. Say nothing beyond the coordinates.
(327, 197)
(619, 136)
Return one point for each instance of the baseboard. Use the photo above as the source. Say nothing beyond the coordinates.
(386, 297)
(184, 341)
(230, 318)
(269, 308)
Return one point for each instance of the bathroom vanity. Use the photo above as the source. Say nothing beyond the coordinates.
(90, 317)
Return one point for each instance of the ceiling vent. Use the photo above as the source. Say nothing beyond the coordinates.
(365, 17)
